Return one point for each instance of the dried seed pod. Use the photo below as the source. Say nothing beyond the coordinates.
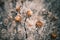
(6, 21)
(54, 18)
(29, 13)
(39, 24)
(18, 8)
(54, 35)
(18, 18)
(50, 14)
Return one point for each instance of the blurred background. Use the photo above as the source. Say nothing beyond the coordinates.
(12, 27)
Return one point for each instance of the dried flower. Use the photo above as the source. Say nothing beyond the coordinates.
(18, 18)
(54, 35)
(29, 13)
(18, 8)
(39, 24)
